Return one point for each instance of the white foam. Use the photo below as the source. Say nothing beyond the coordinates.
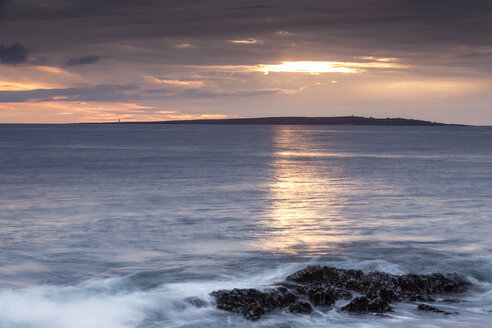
(119, 303)
(75, 307)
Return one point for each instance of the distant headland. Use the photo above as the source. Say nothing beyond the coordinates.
(297, 120)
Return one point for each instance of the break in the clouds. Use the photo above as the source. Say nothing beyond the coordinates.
(13, 54)
(412, 58)
(90, 59)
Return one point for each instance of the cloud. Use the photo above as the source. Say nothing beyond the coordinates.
(32, 77)
(180, 43)
(405, 28)
(101, 93)
(210, 93)
(90, 59)
(316, 67)
(256, 7)
(15, 54)
(76, 111)
(184, 45)
(173, 82)
(63, 112)
(246, 41)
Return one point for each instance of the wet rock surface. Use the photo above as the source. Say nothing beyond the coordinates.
(428, 308)
(324, 286)
(252, 303)
(363, 304)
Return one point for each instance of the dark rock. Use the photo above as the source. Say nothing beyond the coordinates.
(252, 311)
(324, 286)
(420, 298)
(382, 292)
(425, 307)
(300, 307)
(364, 305)
(391, 287)
(379, 305)
(342, 278)
(251, 303)
(323, 295)
(436, 283)
(309, 275)
(357, 305)
(452, 300)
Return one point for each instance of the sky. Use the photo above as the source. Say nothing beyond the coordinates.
(64, 61)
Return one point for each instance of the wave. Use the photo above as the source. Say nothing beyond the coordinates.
(128, 302)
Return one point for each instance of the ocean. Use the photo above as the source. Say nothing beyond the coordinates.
(117, 225)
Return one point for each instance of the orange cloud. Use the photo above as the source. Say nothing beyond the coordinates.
(179, 117)
(24, 78)
(90, 112)
(181, 83)
(54, 70)
(422, 88)
(379, 59)
(246, 41)
(67, 112)
(184, 45)
(6, 85)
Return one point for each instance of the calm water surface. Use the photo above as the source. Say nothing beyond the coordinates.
(114, 225)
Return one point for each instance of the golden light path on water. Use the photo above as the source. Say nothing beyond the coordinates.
(304, 216)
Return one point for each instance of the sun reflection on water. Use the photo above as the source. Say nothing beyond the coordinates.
(304, 212)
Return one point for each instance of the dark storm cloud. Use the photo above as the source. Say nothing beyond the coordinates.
(90, 59)
(14, 54)
(101, 93)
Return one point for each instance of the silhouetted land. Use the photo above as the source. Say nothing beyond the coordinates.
(293, 120)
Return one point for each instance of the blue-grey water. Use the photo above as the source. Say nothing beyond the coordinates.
(115, 225)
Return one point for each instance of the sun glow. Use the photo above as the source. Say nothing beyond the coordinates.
(317, 67)
(313, 67)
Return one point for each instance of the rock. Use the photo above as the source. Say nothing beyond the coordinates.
(357, 305)
(323, 295)
(395, 287)
(364, 305)
(421, 285)
(425, 307)
(379, 305)
(342, 278)
(251, 303)
(309, 275)
(324, 286)
(382, 292)
(252, 311)
(300, 307)
(452, 300)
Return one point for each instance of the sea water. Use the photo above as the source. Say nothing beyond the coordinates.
(117, 225)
